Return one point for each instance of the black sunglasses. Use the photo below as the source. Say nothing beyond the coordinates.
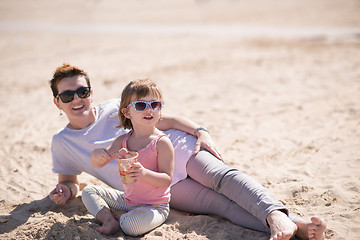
(143, 105)
(68, 96)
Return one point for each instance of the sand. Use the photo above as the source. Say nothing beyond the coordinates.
(277, 83)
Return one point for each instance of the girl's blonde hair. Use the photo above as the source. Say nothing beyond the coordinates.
(134, 91)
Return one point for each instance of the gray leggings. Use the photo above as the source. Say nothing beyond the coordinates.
(138, 219)
(215, 188)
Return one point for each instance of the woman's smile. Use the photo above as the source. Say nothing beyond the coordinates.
(77, 108)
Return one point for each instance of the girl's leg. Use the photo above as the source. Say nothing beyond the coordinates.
(136, 221)
(235, 185)
(95, 198)
(190, 196)
(143, 219)
(98, 201)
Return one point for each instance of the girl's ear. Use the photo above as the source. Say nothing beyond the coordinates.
(125, 111)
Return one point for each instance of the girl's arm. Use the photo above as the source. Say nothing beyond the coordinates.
(166, 163)
(204, 139)
(101, 156)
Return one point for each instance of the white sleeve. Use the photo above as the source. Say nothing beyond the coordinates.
(184, 146)
(63, 162)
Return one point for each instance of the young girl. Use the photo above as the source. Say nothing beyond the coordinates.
(145, 203)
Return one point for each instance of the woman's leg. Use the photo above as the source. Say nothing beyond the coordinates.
(190, 196)
(235, 185)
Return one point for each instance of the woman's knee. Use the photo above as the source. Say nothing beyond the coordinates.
(206, 169)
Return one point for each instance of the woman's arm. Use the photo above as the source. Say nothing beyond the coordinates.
(175, 122)
(67, 187)
(204, 139)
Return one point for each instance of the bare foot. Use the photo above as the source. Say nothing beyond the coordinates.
(281, 227)
(109, 224)
(313, 230)
(109, 227)
(117, 213)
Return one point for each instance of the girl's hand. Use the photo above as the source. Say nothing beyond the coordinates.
(205, 141)
(99, 158)
(60, 194)
(136, 171)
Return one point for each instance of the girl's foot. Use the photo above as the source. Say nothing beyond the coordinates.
(109, 224)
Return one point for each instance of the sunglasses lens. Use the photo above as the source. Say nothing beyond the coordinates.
(156, 105)
(83, 92)
(68, 96)
(140, 106)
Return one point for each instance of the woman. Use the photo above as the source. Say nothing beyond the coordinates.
(211, 188)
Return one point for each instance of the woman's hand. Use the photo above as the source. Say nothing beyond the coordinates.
(205, 141)
(60, 194)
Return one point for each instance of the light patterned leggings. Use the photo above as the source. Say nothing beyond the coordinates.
(138, 219)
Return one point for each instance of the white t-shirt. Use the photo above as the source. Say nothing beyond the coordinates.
(71, 149)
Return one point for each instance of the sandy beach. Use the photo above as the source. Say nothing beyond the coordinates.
(277, 83)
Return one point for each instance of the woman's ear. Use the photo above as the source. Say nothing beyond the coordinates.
(125, 111)
(56, 102)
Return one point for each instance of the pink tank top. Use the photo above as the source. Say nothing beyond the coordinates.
(141, 192)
